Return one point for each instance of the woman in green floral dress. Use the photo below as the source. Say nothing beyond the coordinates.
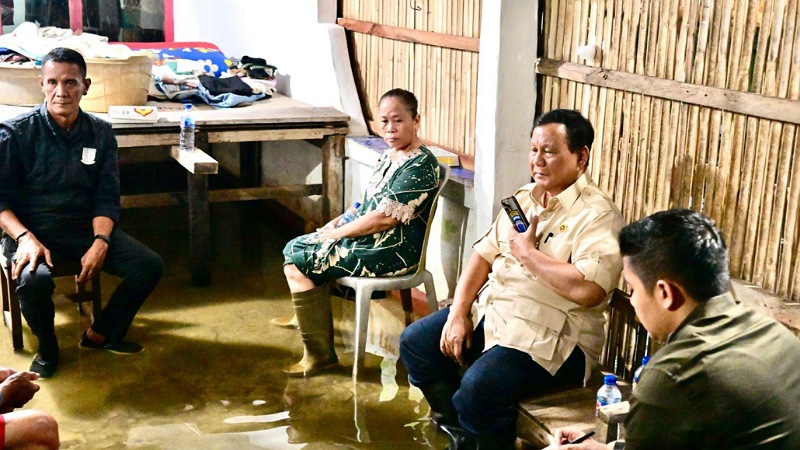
(385, 239)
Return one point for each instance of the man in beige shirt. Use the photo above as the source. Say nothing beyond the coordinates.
(540, 297)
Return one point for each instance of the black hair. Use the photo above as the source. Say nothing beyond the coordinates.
(580, 132)
(66, 55)
(408, 100)
(681, 246)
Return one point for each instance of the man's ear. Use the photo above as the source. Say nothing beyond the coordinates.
(86, 83)
(583, 155)
(41, 83)
(669, 295)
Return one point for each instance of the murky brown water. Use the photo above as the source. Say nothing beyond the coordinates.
(210, 376)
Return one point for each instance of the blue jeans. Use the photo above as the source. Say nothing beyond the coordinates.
(487, 393)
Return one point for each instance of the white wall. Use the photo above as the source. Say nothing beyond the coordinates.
(313, 67)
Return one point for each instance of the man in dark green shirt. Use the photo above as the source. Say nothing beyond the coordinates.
(726, 377)
(59, 201)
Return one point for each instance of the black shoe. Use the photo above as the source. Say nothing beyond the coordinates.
(122, 348)
(44, 368)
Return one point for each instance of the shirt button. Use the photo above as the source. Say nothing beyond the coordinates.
(508, 266)
(595, 255)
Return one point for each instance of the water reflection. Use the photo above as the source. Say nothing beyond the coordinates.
(211, 378)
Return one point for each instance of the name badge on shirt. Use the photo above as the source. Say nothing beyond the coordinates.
(88, 155)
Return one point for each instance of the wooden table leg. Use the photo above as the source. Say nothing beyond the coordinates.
(332, 177)
(199, 221)
(199, 230)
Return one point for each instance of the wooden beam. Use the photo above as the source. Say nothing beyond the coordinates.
(273, 135)
(197, 161)
(146, 140)
(772, 108)
(221, 195)
(407, 35)
(263, 193)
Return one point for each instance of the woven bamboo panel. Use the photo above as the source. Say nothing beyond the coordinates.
(444, 80)
(652, 153)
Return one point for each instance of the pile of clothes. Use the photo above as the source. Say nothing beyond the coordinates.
(182, 79)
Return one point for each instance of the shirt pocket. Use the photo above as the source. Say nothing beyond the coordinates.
(536, 328)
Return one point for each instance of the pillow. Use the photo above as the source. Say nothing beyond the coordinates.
(213, 60)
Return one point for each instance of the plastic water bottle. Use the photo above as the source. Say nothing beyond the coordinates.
(187, 129)
(349, 215)
(639, 371)
(607, 394)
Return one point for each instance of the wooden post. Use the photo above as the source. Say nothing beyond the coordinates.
(609, 421)
(199, 221)
(332, 177)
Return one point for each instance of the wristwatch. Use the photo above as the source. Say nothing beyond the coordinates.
(103, 238)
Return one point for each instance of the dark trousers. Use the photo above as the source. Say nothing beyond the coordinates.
(139, 267)
(487, 393)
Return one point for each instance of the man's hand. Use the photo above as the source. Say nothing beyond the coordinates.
(565, 435)
(17, 390)
(29, 252)
(521, 244)
(456, 336)
(92, 261)
(6, 372)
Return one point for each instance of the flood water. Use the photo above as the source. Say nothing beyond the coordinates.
(210, 377)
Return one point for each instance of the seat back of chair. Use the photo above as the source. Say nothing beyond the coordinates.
(444, 175)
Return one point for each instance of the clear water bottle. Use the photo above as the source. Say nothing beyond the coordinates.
(187, 129)
(349, 215)
(639, 371)
(608, 394)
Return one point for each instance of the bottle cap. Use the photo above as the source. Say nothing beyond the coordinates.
(187, 106)
(610, 379)
(645, 359)
(357, 205)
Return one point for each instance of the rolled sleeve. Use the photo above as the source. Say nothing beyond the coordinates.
(596, 253)
(488, 245)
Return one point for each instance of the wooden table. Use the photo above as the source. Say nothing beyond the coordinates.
(279, 118)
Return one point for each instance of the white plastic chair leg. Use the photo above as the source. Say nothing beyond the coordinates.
(363, 299)
(430, 291)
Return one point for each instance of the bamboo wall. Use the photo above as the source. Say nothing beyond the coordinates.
(443, 79)
(652, 153)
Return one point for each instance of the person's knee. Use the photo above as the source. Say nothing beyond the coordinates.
(35, 285)
(47, 430)
(149, 269)
(31, 429)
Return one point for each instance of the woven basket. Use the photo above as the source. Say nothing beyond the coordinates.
(114, 82)
(19, 85)
(117, 82)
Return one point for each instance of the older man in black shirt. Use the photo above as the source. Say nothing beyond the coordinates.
(59, 201)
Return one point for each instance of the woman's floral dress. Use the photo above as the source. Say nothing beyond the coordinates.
(403, 189)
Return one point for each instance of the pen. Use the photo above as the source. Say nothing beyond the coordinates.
(582, 438)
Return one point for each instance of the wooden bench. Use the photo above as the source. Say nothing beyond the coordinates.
(626, 343)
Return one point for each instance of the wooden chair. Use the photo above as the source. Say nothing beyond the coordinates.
(365, 286)
(12, 316)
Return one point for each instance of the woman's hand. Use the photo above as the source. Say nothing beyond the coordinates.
(326, 234)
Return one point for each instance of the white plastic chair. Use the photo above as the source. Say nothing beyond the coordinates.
(365, 286)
